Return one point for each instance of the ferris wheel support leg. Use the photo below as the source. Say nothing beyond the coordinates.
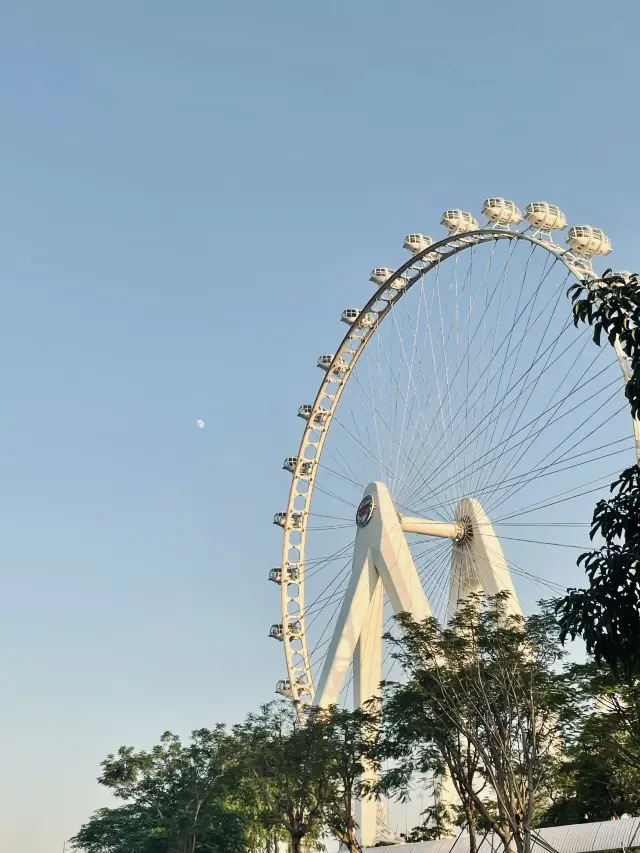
(347, 633)
(478, 563)
(367, 666)
(380, 550)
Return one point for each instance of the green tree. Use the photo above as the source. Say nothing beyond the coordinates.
(436, 824)
(283, 766)
(181, 796)
(127, 829)
(601, 776)
(607, 614)
(351, 749)
(486, 702)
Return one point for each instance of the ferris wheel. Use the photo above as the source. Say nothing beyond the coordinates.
(460, 436)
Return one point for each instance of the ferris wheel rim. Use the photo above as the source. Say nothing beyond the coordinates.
(300, 685)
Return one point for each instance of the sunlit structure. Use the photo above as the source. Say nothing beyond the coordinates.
(461, 400)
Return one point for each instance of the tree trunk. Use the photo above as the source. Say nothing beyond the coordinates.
(296, 842)
(352, 844)
(471, 825)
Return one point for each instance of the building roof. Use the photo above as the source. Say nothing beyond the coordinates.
(588, 837)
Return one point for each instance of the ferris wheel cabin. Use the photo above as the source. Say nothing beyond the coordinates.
(501, 212)
(415, 243)
(458, 221)
(545, 217)
(588, 241)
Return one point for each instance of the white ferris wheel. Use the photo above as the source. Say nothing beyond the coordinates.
(460, 437)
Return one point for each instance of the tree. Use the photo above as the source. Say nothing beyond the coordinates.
(607, 614)
(179, 795)
(283, 766)
(436, 824)
(601, 776)
(351, 738)
(128, 829)
(486, 702)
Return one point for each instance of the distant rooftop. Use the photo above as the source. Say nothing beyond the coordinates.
(588, 837)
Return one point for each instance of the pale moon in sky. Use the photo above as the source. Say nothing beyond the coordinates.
(200, 424)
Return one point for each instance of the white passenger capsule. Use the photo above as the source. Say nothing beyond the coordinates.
(290, 464)
(380, 275)
(587, 240)
(458, 221)
(545, 217)
(305, 410)
(417, 243)
(276, 632)
(350, 315)
(325, 361)
(283, 687)
(280, 519)
(501, 212)
(293, 574)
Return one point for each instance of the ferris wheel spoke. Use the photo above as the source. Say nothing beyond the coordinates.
(520, 389)
(409, 388)
(416, 430)
(501, 310)
(442, 449)
(395, 383)
(543, 471)
(576, 383)
(507, 450)
(332, 494)
(422, 400)
(529, 439)
(511, 415)
(489, 417)
(341, 476)
(518, 487)
(339, 452)
(527, 311)
(579, 385)
(367, 450)
(563, 497)
(384, 468)
(500, 447)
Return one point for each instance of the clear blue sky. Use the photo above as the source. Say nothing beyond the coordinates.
(190, 194)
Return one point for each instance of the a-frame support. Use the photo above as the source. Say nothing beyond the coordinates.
(382, 563)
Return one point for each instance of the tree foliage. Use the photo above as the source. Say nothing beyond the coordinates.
(351, 738)
(607, 614)
(601, 774)
(180, 798)
(283, 767)
(485, 701)
(127, 829)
